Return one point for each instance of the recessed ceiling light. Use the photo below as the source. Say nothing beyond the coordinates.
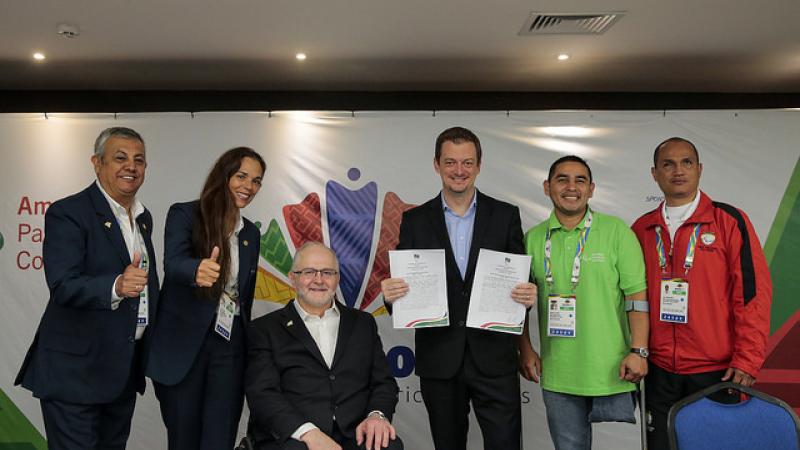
(300, 56)
(562, 57)
(39, 56)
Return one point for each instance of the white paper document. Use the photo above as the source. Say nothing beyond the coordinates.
(425, 304)
(490, 304)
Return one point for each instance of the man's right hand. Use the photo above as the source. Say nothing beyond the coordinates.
(393, 288)
(208, 270)
(133, 280)
(317, 440)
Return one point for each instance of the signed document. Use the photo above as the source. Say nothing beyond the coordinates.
(425, 305)
(490, 304)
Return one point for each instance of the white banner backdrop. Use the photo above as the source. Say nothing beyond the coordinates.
(748, 157)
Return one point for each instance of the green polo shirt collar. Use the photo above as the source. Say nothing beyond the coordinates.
(554, 224)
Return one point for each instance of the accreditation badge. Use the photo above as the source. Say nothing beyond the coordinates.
(561, 318)
(225, 314)
(674, 304)
(143, 313)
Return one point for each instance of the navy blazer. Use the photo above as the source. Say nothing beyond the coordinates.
(288, 383)
(440, 350)
(84, 351)
(184, 319)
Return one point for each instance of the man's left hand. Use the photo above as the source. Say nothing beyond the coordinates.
(633, 368)
(524, 293)
(376, 432)
(739, 377)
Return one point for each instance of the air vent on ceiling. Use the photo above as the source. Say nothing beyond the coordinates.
(569, 23)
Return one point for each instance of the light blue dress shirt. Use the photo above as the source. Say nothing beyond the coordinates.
(459, 230)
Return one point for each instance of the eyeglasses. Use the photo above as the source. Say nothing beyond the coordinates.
(327, 274)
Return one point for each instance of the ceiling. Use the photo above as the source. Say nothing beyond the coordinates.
(736, 46)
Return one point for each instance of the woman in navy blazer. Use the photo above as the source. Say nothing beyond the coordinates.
(210, 266)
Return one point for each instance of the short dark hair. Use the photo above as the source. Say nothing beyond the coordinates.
(108, 133)
(457, 135)
(674, 140)
(569, 158)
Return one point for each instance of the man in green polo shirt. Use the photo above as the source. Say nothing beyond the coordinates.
(593, 319)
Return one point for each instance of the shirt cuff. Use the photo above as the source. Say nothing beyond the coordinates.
(115, 299)
(303, 429)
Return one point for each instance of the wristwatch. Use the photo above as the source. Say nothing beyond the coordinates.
(378, 414)
(641, 351)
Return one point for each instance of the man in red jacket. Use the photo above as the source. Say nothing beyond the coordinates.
(708, 285)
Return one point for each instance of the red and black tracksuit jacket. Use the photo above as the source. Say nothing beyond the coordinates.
(730, 291)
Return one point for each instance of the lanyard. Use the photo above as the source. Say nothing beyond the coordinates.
(142, 248)
(576, 263)
(690, 248)
(143, 313)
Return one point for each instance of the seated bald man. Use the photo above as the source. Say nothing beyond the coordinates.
(317, 376)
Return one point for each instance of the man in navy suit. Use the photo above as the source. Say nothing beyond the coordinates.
(85, 363)
(317, 377)
(458, 365)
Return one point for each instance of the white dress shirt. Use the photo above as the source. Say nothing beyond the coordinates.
(133, 240)
(232, 286)
(325, 331)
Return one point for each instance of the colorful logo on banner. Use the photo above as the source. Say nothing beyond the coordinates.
(350, 220)
(780, 374)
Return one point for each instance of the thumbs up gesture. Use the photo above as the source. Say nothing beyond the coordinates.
(133, 280)
(208, 270)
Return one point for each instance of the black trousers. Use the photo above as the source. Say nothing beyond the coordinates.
(346, 443)
(663, 389)
(202, 411)
(73, 426)
(495, 400)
